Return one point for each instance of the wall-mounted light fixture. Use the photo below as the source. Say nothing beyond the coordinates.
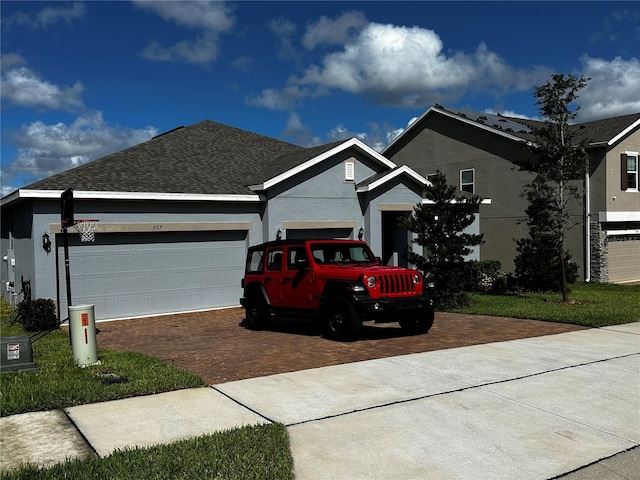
(279, 235)
(360, 233)
(46, 243)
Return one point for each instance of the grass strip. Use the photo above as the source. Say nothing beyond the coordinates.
(253, 452)
(589, 305)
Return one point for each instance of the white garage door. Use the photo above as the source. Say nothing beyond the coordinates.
(136, 274)
(624, 261)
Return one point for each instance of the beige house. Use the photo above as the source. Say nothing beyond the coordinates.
(479, 153)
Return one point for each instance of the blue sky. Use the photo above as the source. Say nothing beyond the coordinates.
(80, 80)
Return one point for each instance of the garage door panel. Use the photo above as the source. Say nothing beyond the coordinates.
(624, 260)
(128, 275)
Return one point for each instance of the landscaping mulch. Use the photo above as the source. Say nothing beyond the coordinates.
(214, 345)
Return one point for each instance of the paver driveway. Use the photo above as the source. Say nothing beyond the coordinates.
(215, 346)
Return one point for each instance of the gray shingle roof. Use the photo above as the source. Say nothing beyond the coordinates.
(204, 158)
(597, 131)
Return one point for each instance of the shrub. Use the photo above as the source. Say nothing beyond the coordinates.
(38, 315)
(487, 276)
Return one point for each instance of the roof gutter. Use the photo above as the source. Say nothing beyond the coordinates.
(23, 194)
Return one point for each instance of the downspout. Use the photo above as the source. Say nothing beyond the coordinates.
(587, 216)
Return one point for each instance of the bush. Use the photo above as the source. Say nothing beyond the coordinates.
(38, 315)
(486, 276)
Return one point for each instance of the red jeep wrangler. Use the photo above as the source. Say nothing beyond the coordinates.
(338, 281)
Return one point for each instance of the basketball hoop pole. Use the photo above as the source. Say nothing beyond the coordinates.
(67, 273)
(67, 220)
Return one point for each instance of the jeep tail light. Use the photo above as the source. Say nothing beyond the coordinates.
(371, 282)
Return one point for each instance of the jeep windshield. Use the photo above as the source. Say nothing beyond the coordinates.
(341, 253)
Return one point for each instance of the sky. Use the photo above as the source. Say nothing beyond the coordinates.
(81, 80)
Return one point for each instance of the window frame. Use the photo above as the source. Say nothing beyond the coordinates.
(473, 180)
(632, 187)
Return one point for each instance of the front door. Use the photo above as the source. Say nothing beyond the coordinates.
(395, 240)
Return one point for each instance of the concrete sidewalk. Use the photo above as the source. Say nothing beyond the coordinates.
(536, 408)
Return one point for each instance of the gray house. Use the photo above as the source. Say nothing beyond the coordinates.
(478, 153)
(177, 213)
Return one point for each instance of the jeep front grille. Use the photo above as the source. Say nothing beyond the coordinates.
(393, 283)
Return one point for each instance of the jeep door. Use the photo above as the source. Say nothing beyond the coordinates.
(297, 279)
(273, 276)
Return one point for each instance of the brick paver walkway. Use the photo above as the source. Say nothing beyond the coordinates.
(213, 345)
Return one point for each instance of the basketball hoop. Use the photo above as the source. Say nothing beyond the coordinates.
(87, 229)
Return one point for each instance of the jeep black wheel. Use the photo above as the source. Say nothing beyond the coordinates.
(419, 322)
(342, 321)
(256, 313)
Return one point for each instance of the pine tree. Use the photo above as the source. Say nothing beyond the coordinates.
(439, 227)
(536, 264)
(558, 160)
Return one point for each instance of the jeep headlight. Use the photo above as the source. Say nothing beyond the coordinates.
(371, 281)
(416, 278)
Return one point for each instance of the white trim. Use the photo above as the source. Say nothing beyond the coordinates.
(391, 175)
(97, 195)
(612, 233)
(623, 133)
(354, 142)
(159, 227)
(636, 172)
(473, 182)
(619, 216)
(349, 171)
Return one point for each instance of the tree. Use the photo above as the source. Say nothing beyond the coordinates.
(440, 226)
(536, 265)
(558, 160)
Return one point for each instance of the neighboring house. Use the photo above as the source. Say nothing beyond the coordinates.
(177, 213)
(478, 152)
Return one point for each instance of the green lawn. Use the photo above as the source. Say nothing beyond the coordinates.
(590, 305)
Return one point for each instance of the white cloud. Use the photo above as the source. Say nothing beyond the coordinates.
(209, 18)
(334, 32)
(407, 66)
(47, 149)
(21, 86)
(48, 16)
(612, 90)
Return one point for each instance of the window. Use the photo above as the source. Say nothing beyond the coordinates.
(467, 180)
(274, 259)
(255, 261)
(632, 171)
(349, 171)
(296, 258)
